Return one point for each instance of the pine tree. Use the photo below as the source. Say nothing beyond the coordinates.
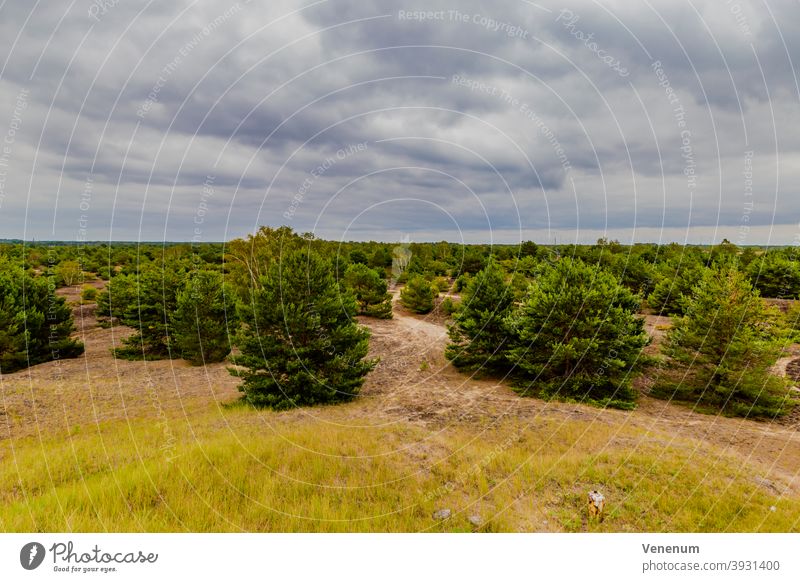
(578, 336)
(776, 275)
(722, 350)
(204, 315)
(299, 343)
(418, 295)
(370, 291)
(146, 302)
(35, 324)
(479, 334)
(672, 293)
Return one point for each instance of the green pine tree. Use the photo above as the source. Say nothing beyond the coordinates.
(146, 302)
(418, 295)
(722, 350)
(578, 335)
(35, 323)
(673, 291)
(370, 291)
(299, 344)
(479, 334)
(204, 315)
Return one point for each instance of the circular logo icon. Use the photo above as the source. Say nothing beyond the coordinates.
(31, 555)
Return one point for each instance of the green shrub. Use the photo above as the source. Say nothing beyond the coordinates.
(449, 307)
(370, 291)
(204, 316)
(418, 295)
(88, 293)
(146, 302)
(673, 291)
(68, 273)
(441, 284)
(775, 275)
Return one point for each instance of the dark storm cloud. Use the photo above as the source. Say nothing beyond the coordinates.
(576, 117)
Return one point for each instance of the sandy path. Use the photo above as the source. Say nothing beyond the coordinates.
(438, 395)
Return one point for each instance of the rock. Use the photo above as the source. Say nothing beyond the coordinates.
(475, 520)
(442, 514)
(773, 508)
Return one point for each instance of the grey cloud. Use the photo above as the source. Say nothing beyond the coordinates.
(197, 95)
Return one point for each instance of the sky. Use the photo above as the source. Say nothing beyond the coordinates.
(470, 121)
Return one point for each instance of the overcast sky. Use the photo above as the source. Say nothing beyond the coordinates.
(358, 119)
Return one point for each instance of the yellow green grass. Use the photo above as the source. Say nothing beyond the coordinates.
(238, 470)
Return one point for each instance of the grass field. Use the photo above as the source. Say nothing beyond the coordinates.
(97, 444)
(225, 472)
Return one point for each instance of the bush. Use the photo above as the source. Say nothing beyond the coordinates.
(673, 291)
(418, 295)
(146, 302)
(88, 293)
(68, 273)
(358, 257)
(203, 317)
(35, 324)
(793, 320)
(461, 282)
(449, 307)
(775, 275)
(120, 292)
(441, 284)
(578, 336)
(370, 291)
(299, 344)
(723, 349)
(479, 333)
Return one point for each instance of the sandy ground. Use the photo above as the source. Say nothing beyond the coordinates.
(413, 383)
(62, 395)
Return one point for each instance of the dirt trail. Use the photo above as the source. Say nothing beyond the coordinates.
(437, 394)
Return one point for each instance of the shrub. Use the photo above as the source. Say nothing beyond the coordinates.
(370, 291)
(299, 344)
(441, 284)
(418, 295)
(479, 333)
(203, 317)
(35, 324)
(793, 320)
(358, 257)
(146, 302)
(461, 282)
(723, 349)
(68, 273)
(775, 275)
(673, 291)
(88, 293)
(449, 307)
(120, 292)
(577, 335)
(381, 258)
